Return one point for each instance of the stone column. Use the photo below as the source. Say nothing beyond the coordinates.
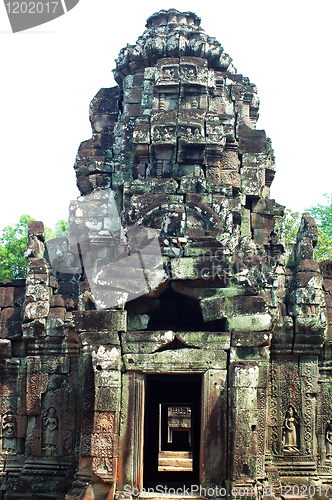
(214, 428)
(248, 413)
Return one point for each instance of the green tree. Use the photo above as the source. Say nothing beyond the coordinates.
(12, 245)
(13, 242)
(323, 249)
(61, 230)
(292, 224)
(323, 217)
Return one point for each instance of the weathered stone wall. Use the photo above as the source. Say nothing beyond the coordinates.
(176, 267)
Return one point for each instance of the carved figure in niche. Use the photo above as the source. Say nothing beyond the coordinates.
(191, 73)
(194, 103)
(328, 440)
(183, 103)
(189, 134)
(162, 102)
(188, 72)
(156, 135)
(51, 434)
(197, 134)
(167, 135)
(290, 429)
(9, 433)
(168, 73)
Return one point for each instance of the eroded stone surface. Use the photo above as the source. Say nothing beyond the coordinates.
(176, 275)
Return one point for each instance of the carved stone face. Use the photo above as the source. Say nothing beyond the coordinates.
(51, 412)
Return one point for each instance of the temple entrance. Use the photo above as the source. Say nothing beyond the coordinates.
(172, 429)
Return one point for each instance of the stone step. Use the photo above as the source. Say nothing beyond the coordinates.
(187, 462)
(173, 461)
(175, 468)
(172, 454)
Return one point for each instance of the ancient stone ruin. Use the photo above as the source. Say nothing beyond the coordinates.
(174, 341)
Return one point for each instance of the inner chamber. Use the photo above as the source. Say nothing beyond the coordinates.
(172, 429)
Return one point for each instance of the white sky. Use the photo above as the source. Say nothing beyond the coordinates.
(49, 75)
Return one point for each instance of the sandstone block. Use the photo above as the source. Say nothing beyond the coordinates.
(224, 307)
(11, 314)
(5, 348)
(36, 310)
(35, 293)
(36, 228)
(38, 266)
(107, 358)
(98, 321)
(247, 323)
(57, 301)
(7, 297)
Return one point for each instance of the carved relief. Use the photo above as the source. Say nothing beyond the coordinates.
(290, 432)
(33, 394)
(194, 103)
(308, 406)
(9, 433)
(50, 434)
(102, 445)
(328, 440)
(68, 443)
(261, 405)
(192, 134)
(103, 467)
(87, 422)
(169, 72)
(33, 447)
(188, 72)
(326, 405)
(104, 422)
(85, 445)
(163, 133)
(214, 168)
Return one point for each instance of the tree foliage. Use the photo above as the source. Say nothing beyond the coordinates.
(12, 245)
(292, 224)
(323, 217)
(13, 242)
(323, 249)
(61, 230)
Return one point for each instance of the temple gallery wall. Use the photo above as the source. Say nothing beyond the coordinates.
(173, 339)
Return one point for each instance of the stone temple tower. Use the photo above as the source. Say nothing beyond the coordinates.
(173, 341)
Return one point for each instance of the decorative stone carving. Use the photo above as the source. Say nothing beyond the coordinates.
(9, 433)
(291, 430)
(168, 73)
(188, 72)
(328, 440)
(176, 274)
(50, 422)
(163, 134)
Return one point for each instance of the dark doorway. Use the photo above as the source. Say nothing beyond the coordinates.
(172, 429)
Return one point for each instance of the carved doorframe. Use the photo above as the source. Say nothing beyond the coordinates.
(213, 442)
